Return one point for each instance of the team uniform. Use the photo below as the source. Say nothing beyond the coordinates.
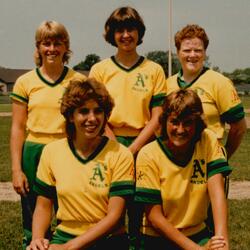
(44, 124)
(135, 91)
(219, 98)
(220, 103)
(181, 190)
(84, 186)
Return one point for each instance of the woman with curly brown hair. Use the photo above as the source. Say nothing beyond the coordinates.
(91, 175)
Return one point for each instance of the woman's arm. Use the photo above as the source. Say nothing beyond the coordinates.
(235, 136)
(166, 229)
(41, 221)
(219, 206)
(148, 131)
(109, 133)
(116, 208)
(17, 137)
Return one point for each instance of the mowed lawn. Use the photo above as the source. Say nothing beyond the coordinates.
(11, 237)
(10, 212)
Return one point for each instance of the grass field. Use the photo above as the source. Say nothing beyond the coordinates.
(4, 99)
(5, 173)
(246, 101)
(5, 103)
(5, 107)
(10, 225)
(240, 160)
(10, 213)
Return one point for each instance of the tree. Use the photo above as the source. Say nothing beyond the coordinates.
(239, 76)
(161, 57)
(89, 61)
(216, 68)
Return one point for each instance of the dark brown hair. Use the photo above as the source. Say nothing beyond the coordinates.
(183, 103)
(124, 17)
(77, 93)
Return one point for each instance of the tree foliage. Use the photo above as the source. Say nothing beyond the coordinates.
(239, 76)
(89, 61)
(161, 57)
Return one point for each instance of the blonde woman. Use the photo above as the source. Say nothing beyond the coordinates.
(36, 118)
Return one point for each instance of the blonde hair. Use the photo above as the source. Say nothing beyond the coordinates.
(51, 30)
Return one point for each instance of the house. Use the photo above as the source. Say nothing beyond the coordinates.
(8, 78)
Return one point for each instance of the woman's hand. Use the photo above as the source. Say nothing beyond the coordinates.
(216, 243)
(20, 182)
(39, 244)
(61, 247)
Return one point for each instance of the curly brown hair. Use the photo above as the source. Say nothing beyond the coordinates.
(124, 17)
(191, 31)
(77, 93)
(183, 103)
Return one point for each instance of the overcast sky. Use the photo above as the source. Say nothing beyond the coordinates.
(227, 23)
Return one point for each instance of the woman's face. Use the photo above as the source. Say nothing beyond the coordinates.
(180, 132)
(192, 55)
(126, 39)
(88, 120)
(52, 51)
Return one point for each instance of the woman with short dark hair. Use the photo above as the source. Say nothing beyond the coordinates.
(178, 175)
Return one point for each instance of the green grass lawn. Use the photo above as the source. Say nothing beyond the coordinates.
(240, 160)
(10, 214)
(5, 172)
(5, 99)
(246, 101)
(239, 226)
(5, 107)
(10, 225)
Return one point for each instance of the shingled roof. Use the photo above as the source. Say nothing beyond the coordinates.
(10, 75)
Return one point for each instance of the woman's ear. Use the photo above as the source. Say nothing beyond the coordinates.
(71, 117)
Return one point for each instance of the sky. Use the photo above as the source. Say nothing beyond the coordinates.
(227, 23)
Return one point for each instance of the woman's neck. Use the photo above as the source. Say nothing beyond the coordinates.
(189, 77)
(181, 155)
(51, 72)
(127, 59)
(86, 147)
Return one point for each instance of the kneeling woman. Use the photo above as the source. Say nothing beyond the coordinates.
(178, 175)
(91, 175)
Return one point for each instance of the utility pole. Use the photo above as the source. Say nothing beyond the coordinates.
(169, 38)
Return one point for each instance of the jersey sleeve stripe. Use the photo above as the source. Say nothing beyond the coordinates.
(122, 188)
(234, 114)
(218, 166)
(157, 100)
(41, 188)
(18, 97)
(150, 196)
